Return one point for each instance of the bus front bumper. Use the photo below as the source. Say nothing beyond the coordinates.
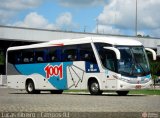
(121, 85)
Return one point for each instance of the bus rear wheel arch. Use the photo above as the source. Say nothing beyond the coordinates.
(30, 87)
(93, 87)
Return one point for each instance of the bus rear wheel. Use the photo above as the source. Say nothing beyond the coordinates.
(30, 88)
(122, 93)
(94, 88)
(56, 91)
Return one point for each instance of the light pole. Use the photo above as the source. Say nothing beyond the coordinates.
(97, 25)
(85, 28)
(136, 21)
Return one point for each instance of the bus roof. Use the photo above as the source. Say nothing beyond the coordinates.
(113, 40)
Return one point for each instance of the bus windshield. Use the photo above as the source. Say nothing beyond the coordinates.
(133, 61)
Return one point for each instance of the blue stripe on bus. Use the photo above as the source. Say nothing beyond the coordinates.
(39, 68)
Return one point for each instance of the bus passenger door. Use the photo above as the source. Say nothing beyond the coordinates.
(110, 63)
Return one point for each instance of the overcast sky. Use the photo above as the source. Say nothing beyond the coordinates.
(112, 16)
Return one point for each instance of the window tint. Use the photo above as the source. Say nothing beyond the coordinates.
(40, 55)
(54, 55)
(86, 53)
(18, 57)
(28, 56)
(111, 61)
(70, 53)
(108, 57)
(81, 52)
(15, 57)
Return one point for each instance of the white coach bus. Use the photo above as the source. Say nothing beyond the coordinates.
(94, 63)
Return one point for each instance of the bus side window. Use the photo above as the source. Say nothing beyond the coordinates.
(18, 57)
(54, 54)
(40, 59)
(18, 60)
(108, 57)
(40, 55)
(111, 60)
(28, 56)
(14, 57)
(70, 53)
(26, 60)
(87, 56)
(86, 53)
(11, 57)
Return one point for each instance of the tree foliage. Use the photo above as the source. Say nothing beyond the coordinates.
(155, 67)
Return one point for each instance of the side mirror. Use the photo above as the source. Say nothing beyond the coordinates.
(118, 55)
(153, 52)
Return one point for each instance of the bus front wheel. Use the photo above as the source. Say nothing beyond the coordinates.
(122, 93)
(30, 88)
(94, 88)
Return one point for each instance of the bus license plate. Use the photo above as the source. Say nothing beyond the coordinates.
(138, 87)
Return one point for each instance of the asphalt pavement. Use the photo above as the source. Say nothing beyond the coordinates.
(19, 101)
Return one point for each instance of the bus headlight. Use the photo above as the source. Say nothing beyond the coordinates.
(124, 79)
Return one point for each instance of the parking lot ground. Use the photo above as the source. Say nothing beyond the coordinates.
(19, 101)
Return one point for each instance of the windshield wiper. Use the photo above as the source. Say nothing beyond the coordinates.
(132, 69)
(144, 72)
(136, 63)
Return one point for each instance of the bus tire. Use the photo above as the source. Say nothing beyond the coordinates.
(94, 88)
(56, 91)
(30, 88)
(122, 93)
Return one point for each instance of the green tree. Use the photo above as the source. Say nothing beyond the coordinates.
(2, 58)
